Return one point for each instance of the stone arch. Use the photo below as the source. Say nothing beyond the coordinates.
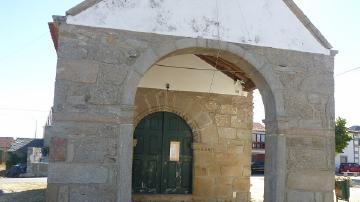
(253, 63)
(213, 137)
(185, 116)
(257, 67)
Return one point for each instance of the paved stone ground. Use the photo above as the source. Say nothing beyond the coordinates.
(33, 189)
(257, 189)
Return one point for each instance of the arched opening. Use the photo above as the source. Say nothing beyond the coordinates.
(162, 157)
(200, 84)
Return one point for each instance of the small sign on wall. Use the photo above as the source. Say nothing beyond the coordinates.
(174, 151)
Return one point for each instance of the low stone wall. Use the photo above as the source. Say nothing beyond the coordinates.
(35, 166)
(221, 125)
(37, 170)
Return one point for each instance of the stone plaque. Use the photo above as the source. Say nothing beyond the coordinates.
(58, 148)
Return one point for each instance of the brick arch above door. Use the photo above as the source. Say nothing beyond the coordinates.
(210, 116)
(153, 105)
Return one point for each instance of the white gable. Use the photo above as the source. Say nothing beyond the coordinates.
(267, 23)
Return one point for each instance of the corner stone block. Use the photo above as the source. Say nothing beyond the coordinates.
(63, 195)
(77, 173)
(77, 70)
(92, 193)
(222, 120)
(231, 171)
(303, 196)
(204, 186)
(58, 148)
(311, 181)
(52, 192)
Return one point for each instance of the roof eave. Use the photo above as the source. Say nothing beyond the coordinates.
(81, 7)
(308, 24)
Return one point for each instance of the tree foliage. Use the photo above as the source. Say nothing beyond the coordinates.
(342, 135)
(14, 159)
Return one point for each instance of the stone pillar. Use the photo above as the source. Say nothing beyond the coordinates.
(300, 146)
(91, 137)
(125, 149)
(275, 168)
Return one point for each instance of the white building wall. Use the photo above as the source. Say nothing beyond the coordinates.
(349, 152)
(356, 141)
(268, 23)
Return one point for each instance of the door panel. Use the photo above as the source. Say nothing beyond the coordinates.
(137, 169)
(152, 180)
(153, 172)
(186, 177)
(147, 150)
(176, 129)
(171, 176)
(155, 145)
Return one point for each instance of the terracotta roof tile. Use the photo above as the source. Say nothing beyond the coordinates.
(354, 129)
(5, 142)
(21, 144)
(258, 127)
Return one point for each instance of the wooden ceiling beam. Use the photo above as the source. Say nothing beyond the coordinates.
(229, 69)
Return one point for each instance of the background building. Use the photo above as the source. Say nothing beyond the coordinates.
(258, 143)
(351, 152)
(5, 143)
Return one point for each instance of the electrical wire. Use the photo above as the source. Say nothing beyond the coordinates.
(350, 70)
(198, 69)
(24, 110)
(218, 50)
(24, 46)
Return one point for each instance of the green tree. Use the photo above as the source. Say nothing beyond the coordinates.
(342, 135)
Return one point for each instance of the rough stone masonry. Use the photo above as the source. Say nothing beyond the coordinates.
(96, 108)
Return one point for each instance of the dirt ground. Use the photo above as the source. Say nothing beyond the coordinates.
(25, 191)
(22, 192)
(2, 166)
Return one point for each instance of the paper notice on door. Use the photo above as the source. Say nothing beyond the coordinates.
(174, 151)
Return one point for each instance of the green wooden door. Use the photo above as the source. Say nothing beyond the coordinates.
(153, 170)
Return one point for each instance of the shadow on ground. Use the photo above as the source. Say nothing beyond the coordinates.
(37, 195)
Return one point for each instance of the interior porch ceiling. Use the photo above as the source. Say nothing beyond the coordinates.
(192, 73)
(229, 69)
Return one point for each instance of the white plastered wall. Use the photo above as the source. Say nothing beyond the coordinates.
(181, 79)
(348, 151)
(268, 23)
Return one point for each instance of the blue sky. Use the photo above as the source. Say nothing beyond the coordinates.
(27, 64)
(339, 22)
(28, 59)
